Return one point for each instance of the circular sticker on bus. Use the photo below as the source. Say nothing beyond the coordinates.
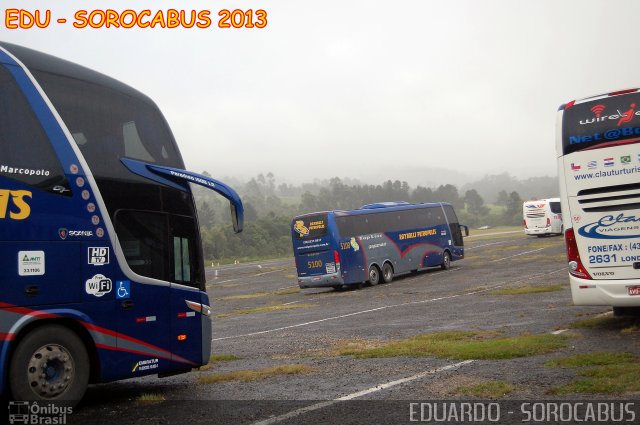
(85, 194)
(99, 232)
(73, 168)
(80, 181)
(95, 220)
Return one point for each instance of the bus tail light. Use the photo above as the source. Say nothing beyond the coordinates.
(336, 257)
(573, 257)
(617, 93)
(548, 222)
(525, 224)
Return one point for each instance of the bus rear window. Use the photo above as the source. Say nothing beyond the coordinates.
(555, 207)
(310, 226)
(602, 121)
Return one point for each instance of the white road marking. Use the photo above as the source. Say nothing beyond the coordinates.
(483, 245)
(384, 307)
(517, 255)
(494, 234)
(358, 394)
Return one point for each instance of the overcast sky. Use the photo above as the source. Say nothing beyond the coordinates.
(362, 88)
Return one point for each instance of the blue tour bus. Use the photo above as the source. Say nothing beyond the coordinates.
(102, 273)
(377, 241)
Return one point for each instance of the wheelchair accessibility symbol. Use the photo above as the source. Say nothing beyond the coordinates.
(123, 290)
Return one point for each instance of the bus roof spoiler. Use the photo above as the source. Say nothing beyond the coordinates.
(180, 179)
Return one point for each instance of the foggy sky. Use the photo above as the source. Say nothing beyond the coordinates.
(363, 89)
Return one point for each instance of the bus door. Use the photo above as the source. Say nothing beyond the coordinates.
(186, 300)
(352, 260)
(142, 308)
(454, 239)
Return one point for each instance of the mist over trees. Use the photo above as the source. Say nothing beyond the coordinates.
(270, 206)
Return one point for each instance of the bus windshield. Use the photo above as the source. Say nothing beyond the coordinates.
(156, 229)
(107, 125)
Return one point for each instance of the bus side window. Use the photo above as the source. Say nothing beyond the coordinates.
(26, 154)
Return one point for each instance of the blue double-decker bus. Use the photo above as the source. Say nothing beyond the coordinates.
(102, 274)
(374, 243)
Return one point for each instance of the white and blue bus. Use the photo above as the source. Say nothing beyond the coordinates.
(598, 148)
(102, 274)
(374, 243)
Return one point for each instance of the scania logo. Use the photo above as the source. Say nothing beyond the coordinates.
(610, 227)
(64, 233)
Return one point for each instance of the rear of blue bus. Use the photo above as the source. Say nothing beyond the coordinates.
(315, 250)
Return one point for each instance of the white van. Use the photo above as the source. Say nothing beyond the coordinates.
(542, 217)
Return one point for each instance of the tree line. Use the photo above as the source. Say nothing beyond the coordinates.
(270, 207)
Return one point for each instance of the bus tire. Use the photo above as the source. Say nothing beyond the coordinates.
(387, 273)
(374, 275)
(626, 311)
(50, 364)
(446, 261)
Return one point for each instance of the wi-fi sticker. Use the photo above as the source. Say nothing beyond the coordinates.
(598, 110)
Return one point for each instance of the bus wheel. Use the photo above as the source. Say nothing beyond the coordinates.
(50, 363)
(374, 275)
(446, 261)
(626, 311)
(387, 273)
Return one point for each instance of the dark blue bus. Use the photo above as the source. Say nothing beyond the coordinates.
(102, 275)
(374, 243)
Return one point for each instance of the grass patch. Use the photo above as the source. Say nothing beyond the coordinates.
(490, 389)
(289, 291)
(255, 375)
(527, 289)
(150, 398)
(603, 373)
(625, 324)
(223, 358)
(265, 309)
(464, 346)
(610, 373)
(592, 359)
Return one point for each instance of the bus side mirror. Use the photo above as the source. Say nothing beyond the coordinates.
(466, 229)
(237, 218)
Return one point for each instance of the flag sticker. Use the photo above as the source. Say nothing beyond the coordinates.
(609, 162)
(575, 166)
(626, 159)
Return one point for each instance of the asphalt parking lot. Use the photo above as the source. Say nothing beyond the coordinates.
(286, 355)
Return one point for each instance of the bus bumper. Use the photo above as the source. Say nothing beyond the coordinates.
(613, 293)
(538, 231)
(324, 280)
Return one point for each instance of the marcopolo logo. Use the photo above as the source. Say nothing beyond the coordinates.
(98, 285)
(620, 226)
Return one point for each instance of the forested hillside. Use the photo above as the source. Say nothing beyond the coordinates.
(269, 208)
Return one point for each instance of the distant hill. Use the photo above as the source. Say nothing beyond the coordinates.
(531, 188)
